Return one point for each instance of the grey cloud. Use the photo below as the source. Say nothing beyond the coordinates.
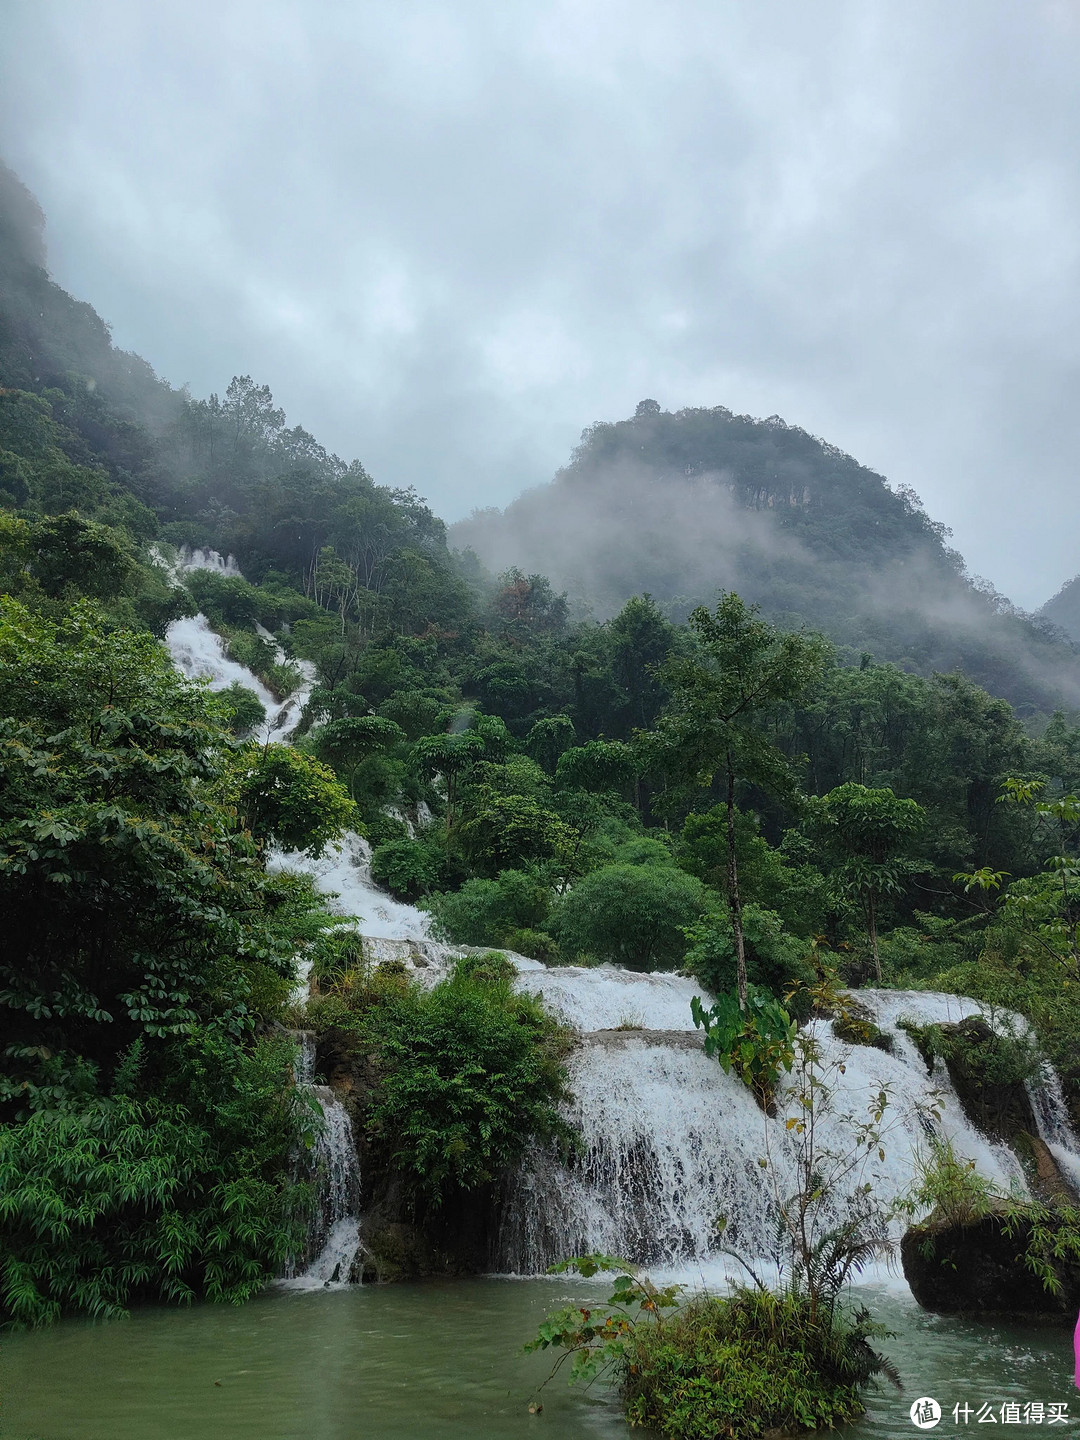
(450, 235)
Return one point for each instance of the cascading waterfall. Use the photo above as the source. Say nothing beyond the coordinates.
(669, 1141)
(345, 871)
(334, 1237)
(199, 652)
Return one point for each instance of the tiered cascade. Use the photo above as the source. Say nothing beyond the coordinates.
(669, 1142)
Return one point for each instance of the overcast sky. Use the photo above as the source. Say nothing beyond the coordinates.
(450, 235)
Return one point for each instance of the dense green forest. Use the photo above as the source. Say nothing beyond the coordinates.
(674, 785)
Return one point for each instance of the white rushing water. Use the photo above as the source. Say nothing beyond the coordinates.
(334, 1168)
(669, 1142)
(199, 652)
(345, 872)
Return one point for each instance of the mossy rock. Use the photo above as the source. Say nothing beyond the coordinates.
(395, 1251)
(988, 1072)
(980, 1268)
(855, 1026)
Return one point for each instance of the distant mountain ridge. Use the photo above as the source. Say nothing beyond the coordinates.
(684, 503)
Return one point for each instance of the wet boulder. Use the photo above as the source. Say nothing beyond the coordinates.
(981, 1267)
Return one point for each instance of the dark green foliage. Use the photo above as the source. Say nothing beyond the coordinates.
(126, 1199)
(346, 743)
(867, 831)
(706, 1368)
(775, 959)
(291, 799)
(632, 915)
(486, 912)
(504, 830)
(549, 739)
(137, 905)
(716, 730)
(467, 1073)
(247, 712)
(148, 1132)
(750, 1363)
(407, 868)
(776, 879)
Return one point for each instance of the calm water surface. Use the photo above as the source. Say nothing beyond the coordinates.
(431, 1362)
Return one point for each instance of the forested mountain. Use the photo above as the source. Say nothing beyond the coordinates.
(681, 504)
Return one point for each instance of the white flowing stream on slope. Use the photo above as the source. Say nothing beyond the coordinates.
(200, 652)
(669, 1141)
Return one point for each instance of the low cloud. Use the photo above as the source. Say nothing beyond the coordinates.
(449, 236)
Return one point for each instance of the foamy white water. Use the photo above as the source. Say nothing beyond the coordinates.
(333, 1164)
(670, 1142)
(198, 651)
(345, 871)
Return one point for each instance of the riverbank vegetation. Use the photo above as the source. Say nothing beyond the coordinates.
(707, 1366)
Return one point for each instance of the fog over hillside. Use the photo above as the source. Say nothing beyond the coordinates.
(683, 504)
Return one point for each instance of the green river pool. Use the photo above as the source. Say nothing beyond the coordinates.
(441, 1361)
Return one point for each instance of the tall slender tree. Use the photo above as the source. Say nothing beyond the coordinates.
(744, 671)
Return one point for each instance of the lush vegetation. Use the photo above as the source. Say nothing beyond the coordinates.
(450, 1083)
(738, 1366)
(682, 503)
(736, 795)
(146, 1113)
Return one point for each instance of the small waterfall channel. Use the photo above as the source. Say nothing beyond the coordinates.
(334, 1237)
(199, 652)
(669, 1142)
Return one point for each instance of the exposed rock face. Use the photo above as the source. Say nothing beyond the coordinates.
(979, 1268)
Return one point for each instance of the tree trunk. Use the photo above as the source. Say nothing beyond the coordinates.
(733, 888)
(871, 916)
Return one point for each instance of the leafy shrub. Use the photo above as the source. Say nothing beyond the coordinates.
(465, 1074)
(247, 710)
(536, 944)
(953, 1191)
(229, 600)
(633, 915)
(734, 1368)
(407, 868)
(950, 1186)
(291, 799)
(750, 1363)
(774, 959)
(757, 1043)
(484, 912)
(125, 1199)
